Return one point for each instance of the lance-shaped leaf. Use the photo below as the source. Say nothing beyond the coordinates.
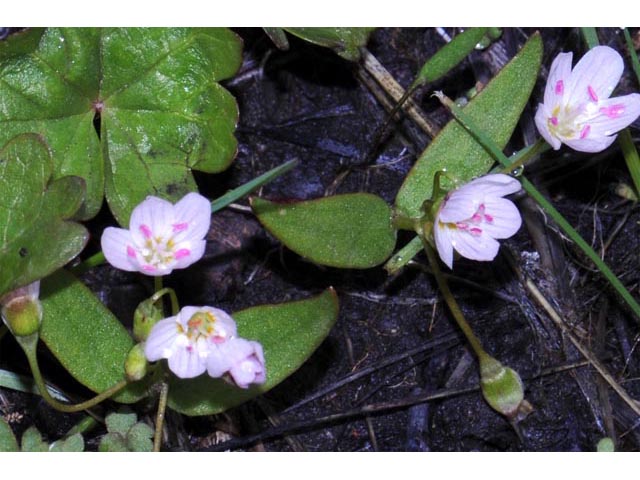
(35, 237)
(289, 334)
(345, 231)
(162, 113)
(346, 41)
(85, 336)
(497, 108)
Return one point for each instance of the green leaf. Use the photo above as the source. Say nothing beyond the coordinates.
(32, 441)
(85, 336)
(120, 422)
(139, 438)
(35, 239)
(346, 231)
(346, 41)
(497, 108)
(113, 442)
(75, 443)
(289, 334)
(162, 112)
(8, 442)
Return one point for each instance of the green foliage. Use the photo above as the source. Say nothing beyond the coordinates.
(32, 442)
(289, 334)
(346, 231)
(497, 108)
(85, 336)
(346, 41)
(155, 92)
(8, 442)
(35, 236)
(126, 434)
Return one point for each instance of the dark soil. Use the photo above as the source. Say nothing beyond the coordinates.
(308, 103)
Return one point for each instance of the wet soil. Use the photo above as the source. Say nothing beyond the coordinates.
(395, 374)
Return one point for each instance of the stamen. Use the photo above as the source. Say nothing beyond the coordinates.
(559, 87)
(183, 252)
(585, 131)
(592, 93)
(613, 111)
(131, 252)
(179, 227)
(488, 218)
(218, 339)
(462, 225)
(149, 268)
(146, 231)
(477, 218)
(554, 121)
(475, 231)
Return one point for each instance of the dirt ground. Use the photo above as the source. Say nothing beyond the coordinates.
(396, 374)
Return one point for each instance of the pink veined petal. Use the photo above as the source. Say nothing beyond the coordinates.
(481, 247)
(460, 205)
(218, 362)
(614, 114)
(492, 185)
(506, 218)
(560, 71)
(542, 115)
(161, 342)
(195, 210)
(186, 363)
(600, 68)
(247, 361)
(114, 243)
(591, 144)
(154, 214)
(195, 251)
(441, 235)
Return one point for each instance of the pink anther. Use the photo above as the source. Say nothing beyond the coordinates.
(131, 251)
(179, 227)
(559, 87)
(613, 111)
(183, 252)
(592, 93)
(554, 121)
(585, 131)
(146, 231)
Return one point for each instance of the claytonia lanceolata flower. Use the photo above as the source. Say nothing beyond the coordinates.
(470, 218)
(201, 339)
(577, 110)
(161, 236)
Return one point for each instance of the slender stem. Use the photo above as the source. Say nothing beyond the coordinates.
(29, 344)
(526, 154)
(175, 307)
(453, 305)
(89, 263)
(162, 406)
(86, 424)
(403, 256)
(590, 36)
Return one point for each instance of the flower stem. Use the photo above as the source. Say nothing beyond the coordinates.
(493, 149)
(29, 344)
(89, 263)
(162, 406)
(453, 305)
(175, 307)
(524, 155)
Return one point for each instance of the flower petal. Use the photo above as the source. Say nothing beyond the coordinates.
(247, 361)
(459, 205)
(116, 243)
(592, 144)
(595, 75)
(195, 211)
(614, 114)
(186, 362)
(441, 235)
(492, 185)
(560, 71)
(541, 119)
(218, 362)
(481, 247)
(506, 219)
(153, 216)
(161, 342)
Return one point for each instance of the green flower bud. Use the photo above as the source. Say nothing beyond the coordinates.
(145, 317)
(502, 388)
(22, 311)
(135, 366)
(606, 445)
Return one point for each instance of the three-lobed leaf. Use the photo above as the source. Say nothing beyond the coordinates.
(162, 113)
(347, 231)
(289, 334)
(497, 108)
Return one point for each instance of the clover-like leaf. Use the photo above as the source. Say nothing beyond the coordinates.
(497, 108)
(346, 231)
(35, 237)
(32, 441)
(8, 442)
(85, 336)
(289, 334)
(75, 443)
(161, 111)
(346, 41)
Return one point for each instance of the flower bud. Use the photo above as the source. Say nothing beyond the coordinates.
(144, 318)
(22, 311)
(502, 388)
(135, 366)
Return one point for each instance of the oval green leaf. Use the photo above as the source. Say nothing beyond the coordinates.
(35, 238)
(154, 89)
(289, 334)
(346, 41)
(8, 442)
(497, 108)
(346, 231)
(85, 336)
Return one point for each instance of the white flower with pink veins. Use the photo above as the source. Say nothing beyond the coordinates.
(161, 236)
(472, 217)
(577, 110)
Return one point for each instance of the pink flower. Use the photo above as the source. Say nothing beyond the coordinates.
(161, 236)
(473, 216)
(189, 338)
(577, 110)
(201, 339)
